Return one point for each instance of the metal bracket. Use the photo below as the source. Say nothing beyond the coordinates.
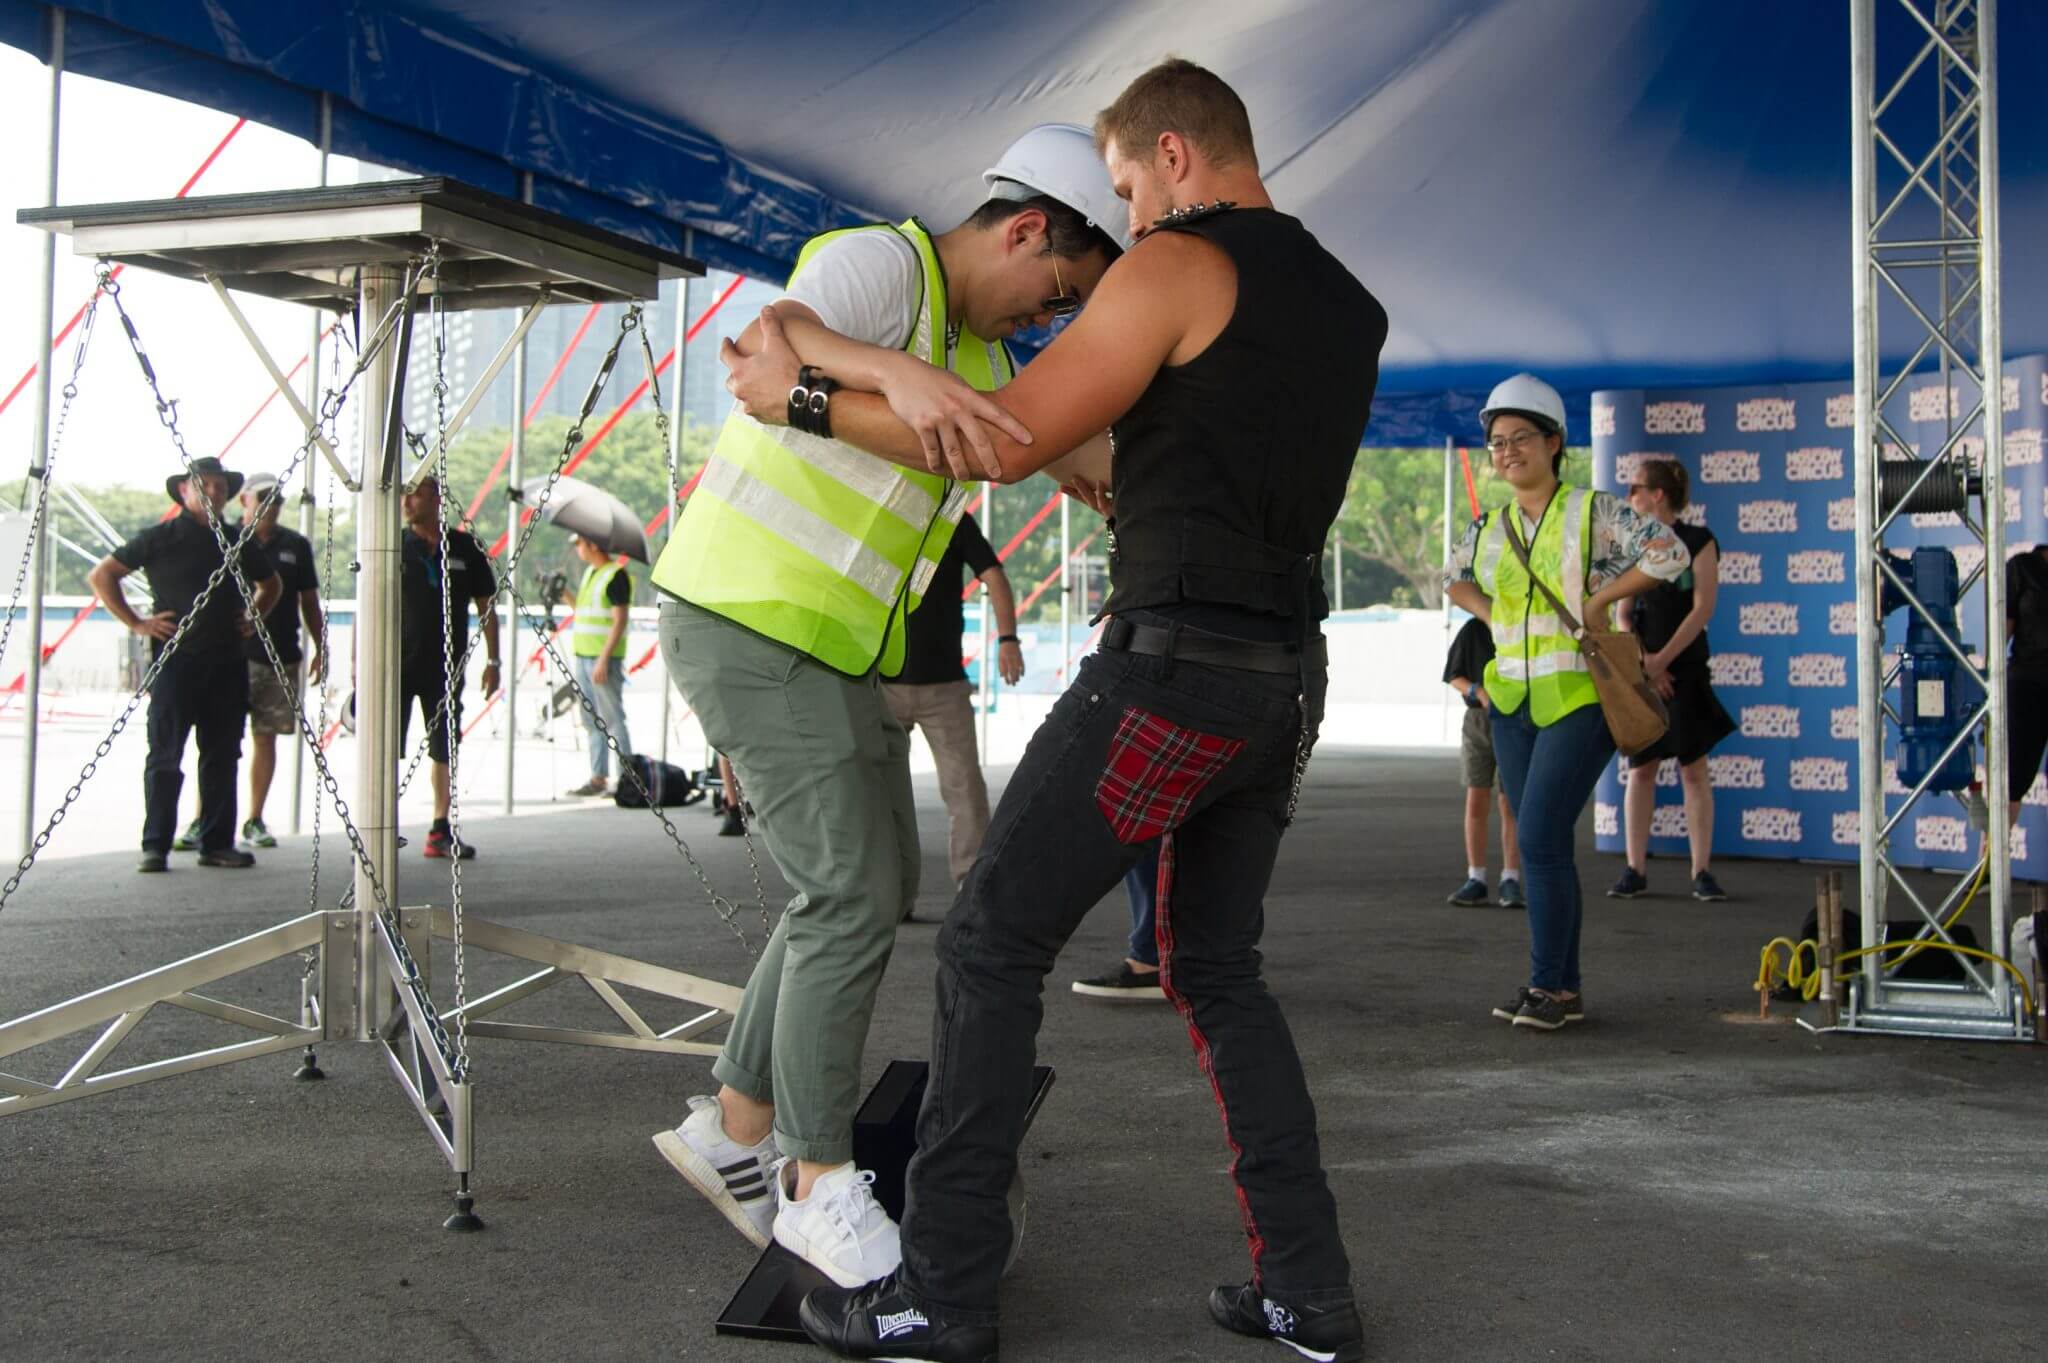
(283, 385)
(478, 389)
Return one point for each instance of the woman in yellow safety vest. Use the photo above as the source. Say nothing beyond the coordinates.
(1549, 737)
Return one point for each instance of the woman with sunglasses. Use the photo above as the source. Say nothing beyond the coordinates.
(1589, 550)
(1672, 624)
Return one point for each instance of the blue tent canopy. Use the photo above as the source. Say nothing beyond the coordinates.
(1612, 193)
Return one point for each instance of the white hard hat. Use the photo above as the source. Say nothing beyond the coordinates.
(1526, 394)
(1058, 160)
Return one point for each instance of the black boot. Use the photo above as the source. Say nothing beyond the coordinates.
(1328, 1334)
(734, 824)
(876, 1322)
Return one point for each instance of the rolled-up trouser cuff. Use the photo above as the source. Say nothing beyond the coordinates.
(742, 1080)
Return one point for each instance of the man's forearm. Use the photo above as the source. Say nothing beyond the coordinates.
(267, 593)
(1002, 600)
(620, 622)
(487, 614)
(855, 364)
(106, 585)
(864, 421)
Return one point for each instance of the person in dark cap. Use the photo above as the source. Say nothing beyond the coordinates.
(204, 684)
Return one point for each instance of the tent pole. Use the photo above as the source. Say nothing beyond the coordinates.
(512, 505)
(306, 513)
(39, 455)
(675, 448)
(380, 532)
(1869, 635)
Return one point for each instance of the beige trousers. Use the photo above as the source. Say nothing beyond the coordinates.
(945, 711)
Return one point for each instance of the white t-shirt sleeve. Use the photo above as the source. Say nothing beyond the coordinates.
(866, 286)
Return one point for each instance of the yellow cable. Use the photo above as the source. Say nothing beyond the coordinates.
(1805, 979)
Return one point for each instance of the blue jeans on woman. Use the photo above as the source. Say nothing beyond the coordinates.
(1549, 772)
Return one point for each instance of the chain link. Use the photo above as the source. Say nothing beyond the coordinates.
(43, 475)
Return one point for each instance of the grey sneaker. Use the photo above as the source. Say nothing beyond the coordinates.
(737, 1179)
(1511, 896)
(1508, 1011)
(256, 835)
(1548, 1012)
(596, 785)
(1470, 895)
(187, 841)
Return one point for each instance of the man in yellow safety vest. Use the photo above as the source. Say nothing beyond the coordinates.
(604, 602)
(786, 586)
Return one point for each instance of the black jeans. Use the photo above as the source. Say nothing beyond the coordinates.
(207, 692)
(1138, 748)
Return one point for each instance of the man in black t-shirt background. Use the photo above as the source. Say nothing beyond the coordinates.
(204, 684)
(422, 666)
(932, 691)
(274, 701)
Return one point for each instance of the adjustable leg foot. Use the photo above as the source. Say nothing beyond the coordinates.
(465, 1217)
(309, 1068)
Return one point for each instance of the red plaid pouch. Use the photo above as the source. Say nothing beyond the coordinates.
(1156, 771)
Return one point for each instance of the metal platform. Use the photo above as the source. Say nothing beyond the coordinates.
(309, 245)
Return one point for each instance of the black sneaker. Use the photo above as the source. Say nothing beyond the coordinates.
(1545, 1012)
(442, 846)
(1506, 1012)
(1470, 895)
(1631, 884)
(230, 857)
(1124, 985)
(1328, 1334)
(151, 862)
(1707, 889)
(1511, 896)
(732, 823)
(876, 1322)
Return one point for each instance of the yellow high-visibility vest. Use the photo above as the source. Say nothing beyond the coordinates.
(594, 613)
(1534, 657)
(813, 543)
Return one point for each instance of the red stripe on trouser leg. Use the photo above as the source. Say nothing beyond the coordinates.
(1162, 931)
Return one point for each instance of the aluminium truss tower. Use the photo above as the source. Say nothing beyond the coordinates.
(1925, 185)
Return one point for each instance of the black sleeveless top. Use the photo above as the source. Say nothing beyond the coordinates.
(1661, 610)
(1230, 468)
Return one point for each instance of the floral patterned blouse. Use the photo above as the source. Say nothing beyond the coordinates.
(1621, 540)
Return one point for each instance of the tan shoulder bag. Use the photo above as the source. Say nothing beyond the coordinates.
(1635, 712)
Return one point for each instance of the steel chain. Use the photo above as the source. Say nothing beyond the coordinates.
(727, 910)
(437, 314)
(230, 565)
(42, 511)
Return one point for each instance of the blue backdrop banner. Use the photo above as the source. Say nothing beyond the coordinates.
(1771, 477)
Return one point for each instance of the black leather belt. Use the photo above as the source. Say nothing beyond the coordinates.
(1200, 646)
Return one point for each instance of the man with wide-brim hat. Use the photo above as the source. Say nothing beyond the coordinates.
(203, 686)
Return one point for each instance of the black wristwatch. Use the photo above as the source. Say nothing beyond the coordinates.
(1009, 639)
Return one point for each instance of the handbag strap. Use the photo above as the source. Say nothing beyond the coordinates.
(1509, 517)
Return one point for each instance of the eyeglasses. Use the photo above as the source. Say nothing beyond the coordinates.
(1062, 303)
(1520, 440)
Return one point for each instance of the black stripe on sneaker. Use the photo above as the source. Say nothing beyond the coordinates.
(738, 1166)
(734, 1185)
(754, 1194)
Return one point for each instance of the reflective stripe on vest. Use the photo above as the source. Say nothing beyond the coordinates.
(1534, 657)
(813, 543)
(594, 614)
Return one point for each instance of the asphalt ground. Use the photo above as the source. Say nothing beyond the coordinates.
(1671, 1180)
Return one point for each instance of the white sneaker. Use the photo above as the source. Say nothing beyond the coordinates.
(735, 1178)
(839, 1229)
